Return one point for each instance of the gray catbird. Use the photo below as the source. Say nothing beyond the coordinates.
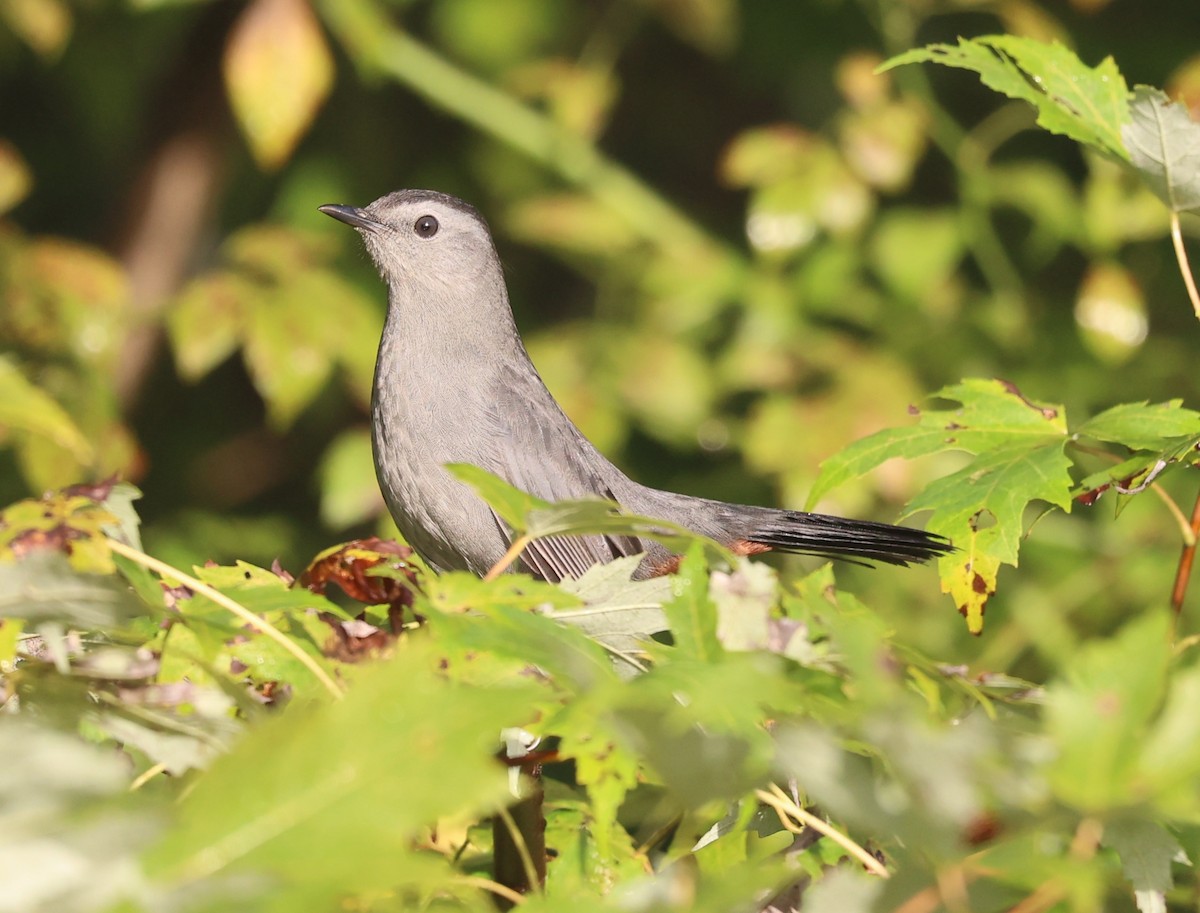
(453, 384)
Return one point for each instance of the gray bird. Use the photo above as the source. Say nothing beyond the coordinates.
(454, 384)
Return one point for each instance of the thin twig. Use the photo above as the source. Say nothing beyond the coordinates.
(500, 890)
(146, 776)
(518, 839)
(623, 656)
(1185, 528)
(787, 809)
(1184, 269)
(198, 586)
(1186, 558)
(506, 560)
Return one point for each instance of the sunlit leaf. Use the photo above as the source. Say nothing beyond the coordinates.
(286, 355)
(883, 143)
(26, 407)
(206, 322)
(278, 70)
(1088, 104)
(617, 611)
(404, 748)
(75, 522)
(574, 223)
(991, 414)
(1111, 312)
(690, 612)
(587, 851)
(88, 291)
(765, 155)
(45, 25)
(915, 251)
(1143, 426)
(1018, 446)
(16, 179)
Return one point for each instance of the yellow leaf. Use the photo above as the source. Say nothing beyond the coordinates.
(44, 25)
(15, 178)
(278, 70)
(27, 408)
(969, 578)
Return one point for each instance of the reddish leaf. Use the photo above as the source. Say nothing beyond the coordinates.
(347, 566)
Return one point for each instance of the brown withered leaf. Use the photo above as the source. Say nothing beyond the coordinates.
(354, 640)
(347, 566)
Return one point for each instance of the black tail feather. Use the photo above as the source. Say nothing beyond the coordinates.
(861, 541)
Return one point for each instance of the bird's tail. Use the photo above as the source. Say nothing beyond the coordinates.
(862, 541)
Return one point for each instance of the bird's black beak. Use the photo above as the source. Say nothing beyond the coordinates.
(352, 216)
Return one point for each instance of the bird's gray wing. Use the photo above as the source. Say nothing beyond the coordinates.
(537, 449)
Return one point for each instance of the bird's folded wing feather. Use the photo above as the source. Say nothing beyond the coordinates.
(553, 461)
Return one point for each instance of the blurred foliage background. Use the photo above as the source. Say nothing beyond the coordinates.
(732, 247)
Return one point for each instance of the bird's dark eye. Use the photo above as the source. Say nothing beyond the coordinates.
(426, 227)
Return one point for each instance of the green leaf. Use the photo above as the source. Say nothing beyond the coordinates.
(537, 519)
(509, 628)
(1110, 310)
(461, 591)
(1099, 714)
(1088, 104)
(403, 749)
(287, 354)
(980, 508)
(511, 504)
(1146, 850)
(1164, 147)
(587, 850)
(69, 832)
(179, 742)
(916, 250)
(698, 721)
(27, 408)
(44, 25)
(1170, 754)
(1143, 426)
(993, 413)
(617, 611)
(206, 321)
(604, 765)
(1019, 458)
(278, 70)
(691, 614)
(44, 587)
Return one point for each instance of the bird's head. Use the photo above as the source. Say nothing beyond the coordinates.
(423, 238)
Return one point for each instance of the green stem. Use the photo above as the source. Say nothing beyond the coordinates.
(967, 151)
(1185, 268)
(375, 45)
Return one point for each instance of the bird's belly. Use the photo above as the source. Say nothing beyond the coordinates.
(443, 519)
